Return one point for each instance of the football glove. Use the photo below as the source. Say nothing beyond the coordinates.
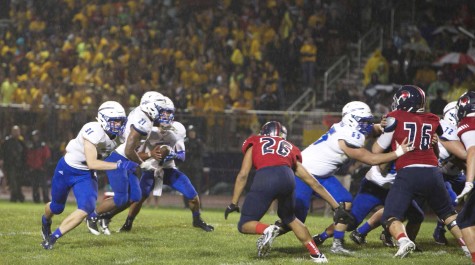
(231, 208)
(468, 187)
(170, 156)
(127, 165)
(341, 215)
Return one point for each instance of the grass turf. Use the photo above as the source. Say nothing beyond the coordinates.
(166, 236)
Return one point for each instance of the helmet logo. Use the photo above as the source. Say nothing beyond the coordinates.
(405, 94)
(463, 101)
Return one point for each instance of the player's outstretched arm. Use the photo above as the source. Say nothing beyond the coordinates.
(363, 155)
(92, 162)
(454, 147)
(241, 178)
(303, 174)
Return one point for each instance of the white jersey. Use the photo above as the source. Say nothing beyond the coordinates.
(324, 156)
(374, 175)
(141, 123)
(450, 134)
(173, 135)
(93, 132)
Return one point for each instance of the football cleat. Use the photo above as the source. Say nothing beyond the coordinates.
(92, 225)
(104, 224)
(319, 258)
(264, 243)
(47, 244)
(45, 230)
(337, 247)
(387, 239)
(318, 239)
(439, 236)
(126, 227)
(198, 222)
(358, 238)
(406, 246)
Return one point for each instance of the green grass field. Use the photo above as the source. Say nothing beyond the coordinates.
(166, 236)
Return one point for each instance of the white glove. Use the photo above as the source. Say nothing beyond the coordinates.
(468, 187)
(148, 165)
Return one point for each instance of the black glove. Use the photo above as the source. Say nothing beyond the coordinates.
(341, 215)
(231, 208)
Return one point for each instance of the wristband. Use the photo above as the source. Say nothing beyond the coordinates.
(399, 152)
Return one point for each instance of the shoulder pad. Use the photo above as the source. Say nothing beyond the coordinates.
(391, 123)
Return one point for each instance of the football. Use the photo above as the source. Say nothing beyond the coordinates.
(165, 150)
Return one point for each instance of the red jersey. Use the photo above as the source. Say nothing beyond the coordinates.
(272, 151)
(419, 129)
(466, 124)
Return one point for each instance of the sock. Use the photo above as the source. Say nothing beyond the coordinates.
(338, 234)
(260, 227)
(130, 219)
(364, 229)
(92, 215)
(45, 221)
(324, 235)
(196, 215)
(473, 257)
(312, 248)
(55, 236)
(401, 236)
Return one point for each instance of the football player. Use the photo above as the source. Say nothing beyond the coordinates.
(417, 172)
(276, 161)
(125, 183)
(452, 156)
(466, 133)
(171, 133)
(322, 158)
(76, 170)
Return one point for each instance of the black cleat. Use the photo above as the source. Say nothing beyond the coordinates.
(318, 240)
(201, 224)
(126, 227)
(92, 225)
(439, 236)
(47, 244)
(358, 238)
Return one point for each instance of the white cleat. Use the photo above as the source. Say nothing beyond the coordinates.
(406, 246)
(319, 258)
(337, 248)
(264, 243)
(91, 224)
(104, 223)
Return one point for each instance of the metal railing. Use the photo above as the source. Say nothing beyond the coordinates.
(334, 73)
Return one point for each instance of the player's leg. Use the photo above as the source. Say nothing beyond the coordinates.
(441, 204)
(84, 185)
(341, 194)
(363, 203)
(59, 191)
(466, 222)
(147, 182)
(180, 182)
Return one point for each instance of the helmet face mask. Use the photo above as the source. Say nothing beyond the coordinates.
(274, 128)
(466, 105)
(166, 112)
(409, 98)
(358, 115)
(112, 117)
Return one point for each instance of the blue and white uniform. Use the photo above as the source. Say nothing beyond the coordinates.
(124, 183)
(172, 135)
(72, 171)
(322, 159)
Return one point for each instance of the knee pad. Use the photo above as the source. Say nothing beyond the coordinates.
(451, 225)
(387, 223)
(56, 208)
(121, 199)
(448, 215)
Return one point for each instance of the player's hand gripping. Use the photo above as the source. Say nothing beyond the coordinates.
(229, 209)
(468, 187)
(127, 165)
(403, 148)
(170, 156)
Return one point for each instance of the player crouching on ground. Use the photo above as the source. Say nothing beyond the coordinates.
(275, 160)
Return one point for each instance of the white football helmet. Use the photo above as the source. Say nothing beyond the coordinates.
(450, 113)
(112, 117)
(166, 112)
(148, 104)
(358, 115)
